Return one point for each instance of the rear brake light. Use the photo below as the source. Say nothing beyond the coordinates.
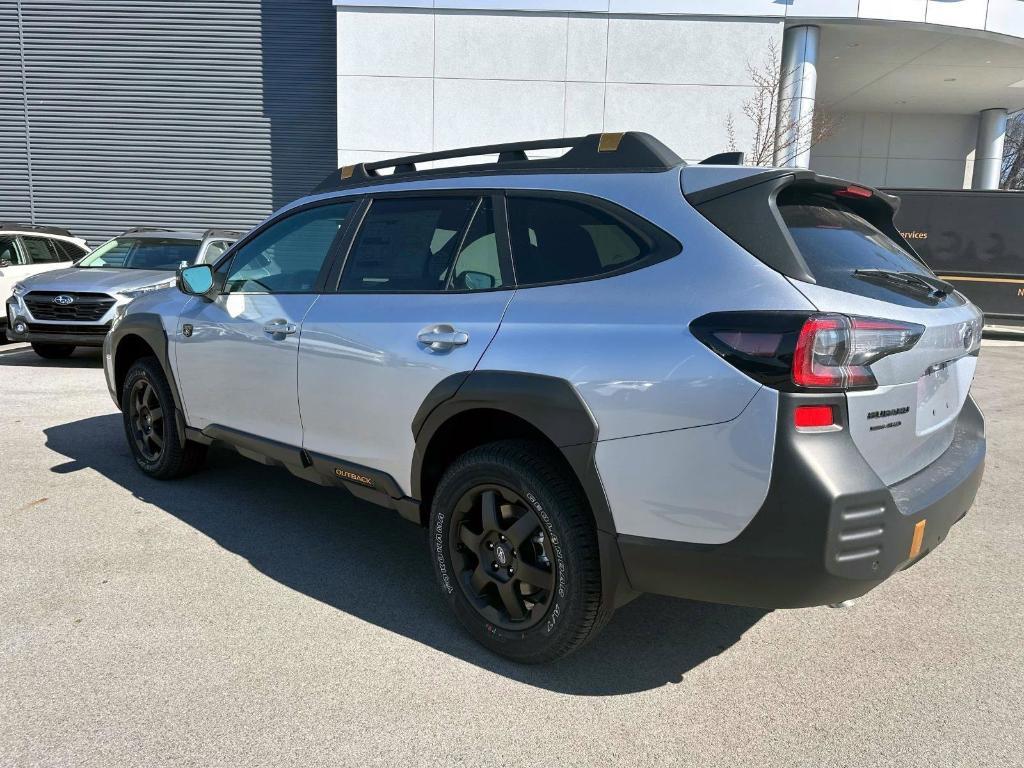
(813, 416)
(795, 351)
(836, 351)
(855, 192)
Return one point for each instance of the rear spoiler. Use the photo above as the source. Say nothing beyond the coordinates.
(747, 211)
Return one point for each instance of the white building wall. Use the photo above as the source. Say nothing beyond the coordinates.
(414, 80)
(1005, 17)
(905, 150)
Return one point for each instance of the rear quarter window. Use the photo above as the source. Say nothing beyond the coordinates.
(556, 240)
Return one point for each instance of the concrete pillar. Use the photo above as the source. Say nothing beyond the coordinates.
(797, 90)
(988, 156)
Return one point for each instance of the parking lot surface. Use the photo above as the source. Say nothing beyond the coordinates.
(244, 617)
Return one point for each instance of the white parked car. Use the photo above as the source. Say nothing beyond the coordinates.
(28, 250)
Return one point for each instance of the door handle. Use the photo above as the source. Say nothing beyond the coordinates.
(442, 337)
(280, 327)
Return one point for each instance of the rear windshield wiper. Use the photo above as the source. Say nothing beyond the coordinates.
(932, 286)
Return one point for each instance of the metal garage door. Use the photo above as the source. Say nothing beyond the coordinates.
(164, 113)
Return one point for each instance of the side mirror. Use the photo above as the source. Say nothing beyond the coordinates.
(475, 281)
(196, 280)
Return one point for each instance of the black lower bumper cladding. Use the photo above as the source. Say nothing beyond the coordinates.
(829, 529)
(77, 335)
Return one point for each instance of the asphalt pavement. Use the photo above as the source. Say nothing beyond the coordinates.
(244, 617)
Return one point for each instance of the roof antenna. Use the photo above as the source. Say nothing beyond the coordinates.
(725, 158)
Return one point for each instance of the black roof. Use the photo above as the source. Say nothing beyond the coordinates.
(35, 228)
(596, 153)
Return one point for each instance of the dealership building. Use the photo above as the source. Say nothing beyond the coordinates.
(214, 112)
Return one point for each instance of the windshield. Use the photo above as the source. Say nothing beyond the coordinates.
(137, 253)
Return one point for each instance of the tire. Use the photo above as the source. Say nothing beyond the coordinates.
(528, 585)
(53, 351)
(150, 416)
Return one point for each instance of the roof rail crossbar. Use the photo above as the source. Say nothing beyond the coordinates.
(596, 152)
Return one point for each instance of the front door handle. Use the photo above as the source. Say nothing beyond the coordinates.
(280, 328)
(442, 337)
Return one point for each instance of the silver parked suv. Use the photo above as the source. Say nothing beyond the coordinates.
(72, 307)
(588, 376)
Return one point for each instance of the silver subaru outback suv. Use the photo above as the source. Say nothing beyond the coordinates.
(588, 377)
(59, 310)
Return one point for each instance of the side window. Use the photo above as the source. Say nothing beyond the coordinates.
(558, 240)
(40, 250)
(287, 256)
(478, 266)
(407, 244)
(68, 251)
(9, 253)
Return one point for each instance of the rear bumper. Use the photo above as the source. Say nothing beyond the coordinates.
(829, 529)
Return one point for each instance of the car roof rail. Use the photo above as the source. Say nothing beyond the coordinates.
(725, 158)
(35, 228)
(130, 230)
(222, 233)
(596, 153)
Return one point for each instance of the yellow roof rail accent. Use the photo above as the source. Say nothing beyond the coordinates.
(609, 142)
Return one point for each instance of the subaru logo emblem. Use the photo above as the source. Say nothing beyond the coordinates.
(63, 300)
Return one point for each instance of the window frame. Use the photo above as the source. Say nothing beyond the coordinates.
(222, 264)
(500, 223)
(663, 245)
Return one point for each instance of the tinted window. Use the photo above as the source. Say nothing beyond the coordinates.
(147, 253)
(40, 250)
(69, 251)
(835, 242)
(478, 266)
(288, 255)
(407, 244)
(556, 240)
(9, 253)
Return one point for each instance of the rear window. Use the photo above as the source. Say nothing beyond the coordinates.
(836, 242)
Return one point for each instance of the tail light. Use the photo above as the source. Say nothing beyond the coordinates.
(799, 351)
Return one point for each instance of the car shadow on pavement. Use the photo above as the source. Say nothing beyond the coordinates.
(370, 563)
(23, 356)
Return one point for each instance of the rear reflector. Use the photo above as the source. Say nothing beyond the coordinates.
(811, 416)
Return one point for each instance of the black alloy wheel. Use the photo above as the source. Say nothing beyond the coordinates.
(151, 422)
(146, 417)
(505, 565)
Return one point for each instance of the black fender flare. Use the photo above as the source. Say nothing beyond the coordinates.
(551, 405)
(150, 328)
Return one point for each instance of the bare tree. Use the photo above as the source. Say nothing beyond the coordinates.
(762, 110)
(1012, 176)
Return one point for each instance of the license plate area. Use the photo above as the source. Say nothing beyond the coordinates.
(941, 393)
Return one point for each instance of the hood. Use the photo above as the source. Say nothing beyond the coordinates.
(95, 279)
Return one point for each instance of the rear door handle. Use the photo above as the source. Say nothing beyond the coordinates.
(280, 327)
(442, 337)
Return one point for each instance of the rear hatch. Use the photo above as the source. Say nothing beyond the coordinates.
(837, 244)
